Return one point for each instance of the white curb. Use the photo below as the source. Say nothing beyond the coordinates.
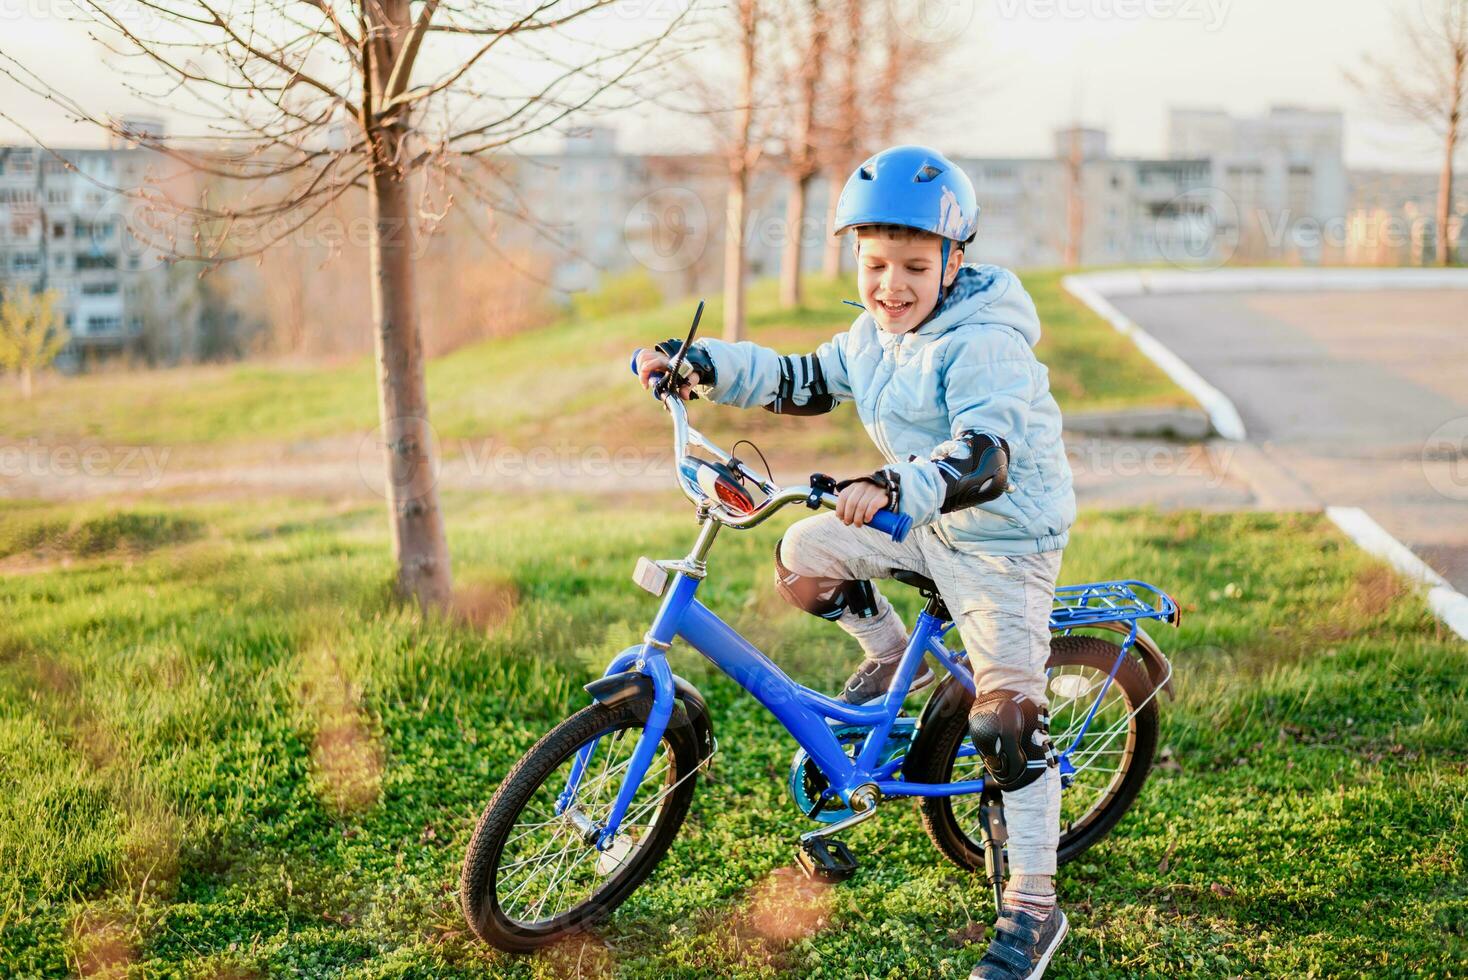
(1221, 412)
(1446, 602)
(1093, 288)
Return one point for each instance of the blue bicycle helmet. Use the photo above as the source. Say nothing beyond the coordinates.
(914, 187)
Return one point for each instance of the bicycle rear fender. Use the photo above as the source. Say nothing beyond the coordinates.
(1159, 671)
(948, 699)
(615, 688)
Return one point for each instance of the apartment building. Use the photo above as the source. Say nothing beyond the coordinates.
(1279, 185)
(63, 227)
(600, 211)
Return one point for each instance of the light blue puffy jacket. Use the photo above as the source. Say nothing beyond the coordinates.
(970, 367)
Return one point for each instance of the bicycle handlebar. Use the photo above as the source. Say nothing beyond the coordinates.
(894, 525)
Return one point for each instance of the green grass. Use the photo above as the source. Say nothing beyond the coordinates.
(224, 752)
(554, 385)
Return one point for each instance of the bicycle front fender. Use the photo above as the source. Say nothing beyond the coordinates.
(615, 688)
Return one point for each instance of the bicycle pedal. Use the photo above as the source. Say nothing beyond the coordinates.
(826, 860)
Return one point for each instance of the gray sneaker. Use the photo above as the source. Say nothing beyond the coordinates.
(1022, 946)
(874, 677)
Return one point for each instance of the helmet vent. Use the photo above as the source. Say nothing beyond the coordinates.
(867, 172)
(927, 173)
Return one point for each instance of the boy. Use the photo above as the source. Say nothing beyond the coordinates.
(945, 379)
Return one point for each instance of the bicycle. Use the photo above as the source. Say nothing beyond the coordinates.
(587, 813)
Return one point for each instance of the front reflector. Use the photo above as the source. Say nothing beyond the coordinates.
(650, 576)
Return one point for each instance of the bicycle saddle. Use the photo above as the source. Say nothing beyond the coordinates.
(920, 582)
(927, 587)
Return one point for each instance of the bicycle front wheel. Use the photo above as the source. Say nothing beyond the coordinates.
(532, 875)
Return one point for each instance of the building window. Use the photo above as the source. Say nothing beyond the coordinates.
(99, 289)
(58, 229)
(100, 260)
(103, 324)
(57, 195)
(25, 261)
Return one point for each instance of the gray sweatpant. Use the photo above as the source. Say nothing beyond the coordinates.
(1001, 605)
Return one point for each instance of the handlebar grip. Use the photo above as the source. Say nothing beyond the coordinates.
(892, 524)
(654, 378)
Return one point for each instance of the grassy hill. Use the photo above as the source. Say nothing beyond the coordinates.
(225, 753)
(564, 383)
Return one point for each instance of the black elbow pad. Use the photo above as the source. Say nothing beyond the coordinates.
(975, 469)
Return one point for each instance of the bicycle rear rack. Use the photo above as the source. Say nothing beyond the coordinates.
(1122, 601)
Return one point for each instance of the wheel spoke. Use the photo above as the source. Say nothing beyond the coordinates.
(548, 868)
(1100, 757)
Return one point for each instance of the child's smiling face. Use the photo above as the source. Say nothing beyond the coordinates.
(898, 275)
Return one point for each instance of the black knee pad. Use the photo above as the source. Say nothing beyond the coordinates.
(1012, 735)
(827, 598)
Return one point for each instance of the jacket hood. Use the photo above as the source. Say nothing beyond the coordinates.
(986, 294)
(979, 294)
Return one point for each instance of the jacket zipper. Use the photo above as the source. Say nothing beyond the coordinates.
(882, 443)
(886, 447)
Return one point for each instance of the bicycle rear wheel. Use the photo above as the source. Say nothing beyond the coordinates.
(1111, 761)
(531, 875)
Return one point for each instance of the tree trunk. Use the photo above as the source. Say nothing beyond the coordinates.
(734, 257)
(1445, 201)
(741, 161)
(419, 545)
(25, 382)
(794, 242)
(831, 259)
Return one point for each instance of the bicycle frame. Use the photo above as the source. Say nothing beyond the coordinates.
(805, 713)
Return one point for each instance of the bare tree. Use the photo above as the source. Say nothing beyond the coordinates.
(1429, 86)
(887, 74)
(742, 152)
(304, 101)
(31, 332)
(843, 144)
(807, 34)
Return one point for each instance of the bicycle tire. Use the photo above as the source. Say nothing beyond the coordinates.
(947, 830)
(478, 884)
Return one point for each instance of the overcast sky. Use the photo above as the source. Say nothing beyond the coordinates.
(1034, 64)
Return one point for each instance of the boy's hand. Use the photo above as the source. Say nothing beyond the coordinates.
(650, 362)
(859, 502)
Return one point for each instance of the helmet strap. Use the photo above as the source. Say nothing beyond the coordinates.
(944, 248)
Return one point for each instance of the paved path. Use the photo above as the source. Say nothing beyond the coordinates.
(1349, 398)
